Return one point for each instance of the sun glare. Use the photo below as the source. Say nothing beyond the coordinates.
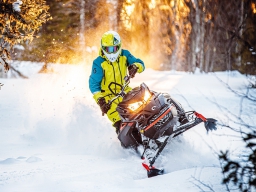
(126, 13)
(254, 8)
(172, 3)
(152, 4)
(142, 22)
(129, 8)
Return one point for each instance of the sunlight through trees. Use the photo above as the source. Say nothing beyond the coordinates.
(210, 35)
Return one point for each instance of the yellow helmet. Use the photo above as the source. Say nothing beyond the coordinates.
(111, 45)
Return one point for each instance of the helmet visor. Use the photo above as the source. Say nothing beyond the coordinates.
(111, 49)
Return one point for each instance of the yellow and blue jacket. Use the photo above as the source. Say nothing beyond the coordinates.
(104, 72)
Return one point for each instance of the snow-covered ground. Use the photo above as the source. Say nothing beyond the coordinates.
(53, 137)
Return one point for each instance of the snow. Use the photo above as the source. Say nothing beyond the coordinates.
(53, 137)
(16, 5)
(19, 47)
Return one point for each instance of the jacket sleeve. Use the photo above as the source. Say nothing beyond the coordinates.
(133, 60)
(95, 79)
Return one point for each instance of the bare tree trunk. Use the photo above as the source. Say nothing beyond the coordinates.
(174, 53)
(202, 34)
(193, 60)
(239, 59)
(180, 34)
(207, 59)
(229, 59)
(82, 29)
(113, 15)
(197, 32)
(209, 47)
(194, 22)
(213, 59)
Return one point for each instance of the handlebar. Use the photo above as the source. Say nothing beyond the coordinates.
(121, 93)
(127, 79)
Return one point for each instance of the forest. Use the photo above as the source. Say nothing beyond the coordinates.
(182, 35)
(191, 36)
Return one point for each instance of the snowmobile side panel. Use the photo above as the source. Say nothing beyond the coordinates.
(126, 135)
(162, 124)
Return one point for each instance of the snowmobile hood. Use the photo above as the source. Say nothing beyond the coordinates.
(136, 94)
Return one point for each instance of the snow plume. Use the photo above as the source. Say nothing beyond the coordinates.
(60, 111)
(16, 5)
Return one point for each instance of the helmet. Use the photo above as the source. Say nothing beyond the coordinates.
(111, 45)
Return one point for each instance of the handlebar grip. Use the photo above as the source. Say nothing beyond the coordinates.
(126, 78)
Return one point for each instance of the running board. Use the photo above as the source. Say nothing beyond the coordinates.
(185, 127)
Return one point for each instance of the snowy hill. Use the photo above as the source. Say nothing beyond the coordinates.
(53, 137)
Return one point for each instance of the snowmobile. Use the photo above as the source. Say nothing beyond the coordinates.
(148, 116)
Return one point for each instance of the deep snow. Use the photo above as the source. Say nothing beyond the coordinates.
(53, 137)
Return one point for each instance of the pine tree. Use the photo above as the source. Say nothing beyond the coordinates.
(60, 40)
(19, 22)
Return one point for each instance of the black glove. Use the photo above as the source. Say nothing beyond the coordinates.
(103, 105)
(132, 70)
(117, 125)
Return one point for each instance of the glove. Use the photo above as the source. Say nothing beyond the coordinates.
(103, 105)
(117, 126)
(132, 70)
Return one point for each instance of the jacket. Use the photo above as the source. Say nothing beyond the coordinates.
(104, 72)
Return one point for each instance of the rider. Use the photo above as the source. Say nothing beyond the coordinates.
(111, 66)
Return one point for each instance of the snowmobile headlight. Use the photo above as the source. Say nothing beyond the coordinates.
(137, 105)
(147, 96)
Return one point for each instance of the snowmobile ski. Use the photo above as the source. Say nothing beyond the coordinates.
(152, 171)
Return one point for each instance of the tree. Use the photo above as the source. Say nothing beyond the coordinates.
(241, 173)
(63, 38)
(240, 170)
(19, 22)
(247, 40)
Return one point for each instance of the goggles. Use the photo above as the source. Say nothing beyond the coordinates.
(111, 49)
